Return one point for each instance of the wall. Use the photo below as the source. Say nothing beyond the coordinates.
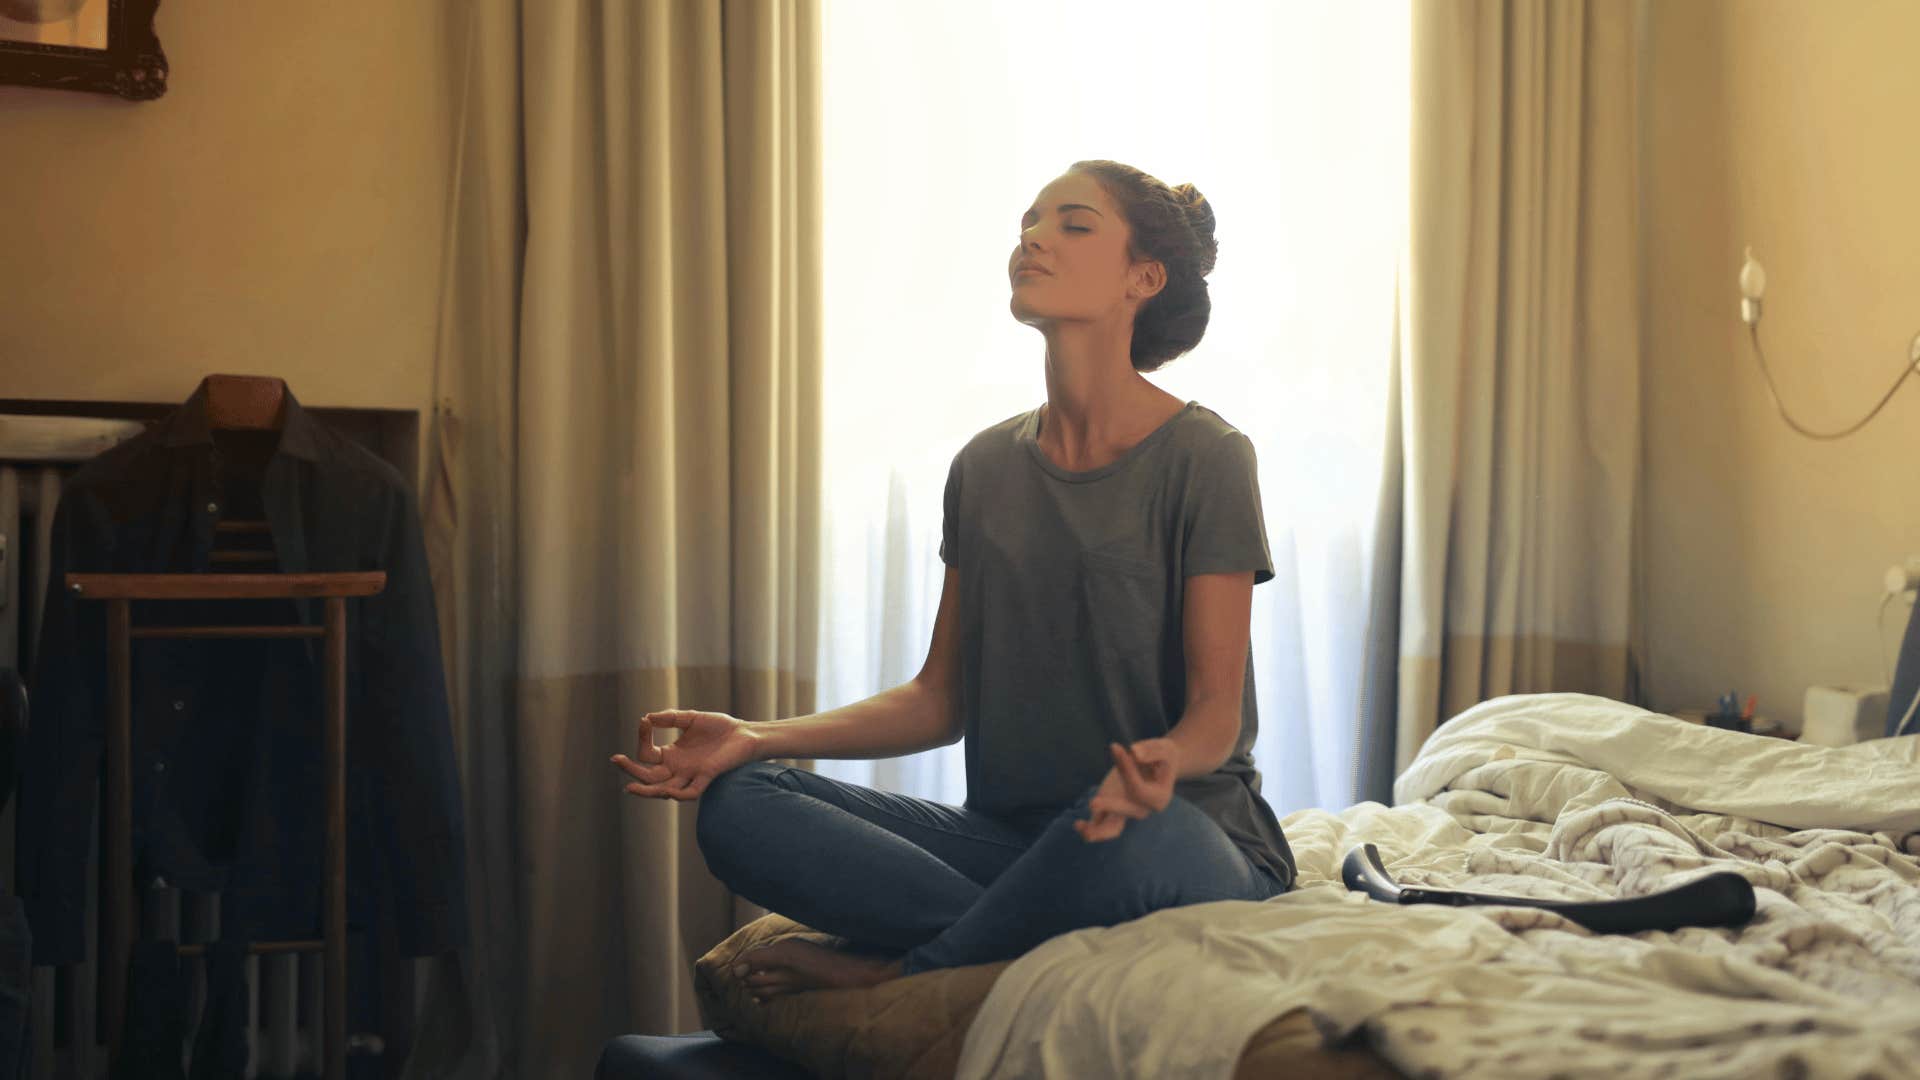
(1789, 126)
(280, 211)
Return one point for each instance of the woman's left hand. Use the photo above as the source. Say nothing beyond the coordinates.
(1140, 783)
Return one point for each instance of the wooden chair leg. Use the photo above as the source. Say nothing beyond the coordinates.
(116, 863)
(336, 896)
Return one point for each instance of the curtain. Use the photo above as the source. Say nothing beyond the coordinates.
(943, 122)
(623, 502)
(1517, 380)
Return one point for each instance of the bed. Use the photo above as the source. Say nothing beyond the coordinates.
(1554, 796)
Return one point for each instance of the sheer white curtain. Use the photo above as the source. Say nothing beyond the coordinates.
(942, 121)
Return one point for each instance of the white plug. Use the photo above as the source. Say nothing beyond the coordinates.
(1753, 286)
(1904, 579)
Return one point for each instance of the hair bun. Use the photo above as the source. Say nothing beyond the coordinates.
(1174, 225)
(1200, 219)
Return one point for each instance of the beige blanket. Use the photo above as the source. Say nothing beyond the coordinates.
(1562, 796)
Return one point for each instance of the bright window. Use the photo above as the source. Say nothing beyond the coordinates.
(942, 121)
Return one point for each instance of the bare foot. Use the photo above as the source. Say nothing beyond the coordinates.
(788, 967)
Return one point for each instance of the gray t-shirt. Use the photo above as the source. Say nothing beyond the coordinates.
(1071, 605)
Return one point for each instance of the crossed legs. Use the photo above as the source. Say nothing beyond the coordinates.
(918, 885)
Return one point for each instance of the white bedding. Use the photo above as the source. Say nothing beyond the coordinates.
(1563, 796)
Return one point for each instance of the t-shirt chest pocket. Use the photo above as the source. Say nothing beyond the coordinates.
(1120, 602)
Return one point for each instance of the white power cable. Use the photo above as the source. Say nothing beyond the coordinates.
(1901, 727)
(1912, 368)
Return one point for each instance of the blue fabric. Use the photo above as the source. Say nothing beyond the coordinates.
(220, 1043)
(227, 755)
(156, 1015)
(16, 937)
(950, 886)
(16, 987)
(701, 1055)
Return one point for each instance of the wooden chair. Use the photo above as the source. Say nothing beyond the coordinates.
(119, 591)
(234, 403)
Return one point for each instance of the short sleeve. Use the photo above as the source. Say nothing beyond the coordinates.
(1225, 530)
(950, 524)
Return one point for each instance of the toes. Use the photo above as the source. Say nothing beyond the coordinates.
(760, 959)
(768, 991)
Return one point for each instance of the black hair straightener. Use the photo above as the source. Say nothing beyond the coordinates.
(1719, 899)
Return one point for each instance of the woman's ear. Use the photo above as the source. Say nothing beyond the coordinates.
(1149, 277)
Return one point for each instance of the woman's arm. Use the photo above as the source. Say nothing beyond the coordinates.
(1218, 614)
(916, 715)
(1218, 617)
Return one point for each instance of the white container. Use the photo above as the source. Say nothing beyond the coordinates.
(1841, 715)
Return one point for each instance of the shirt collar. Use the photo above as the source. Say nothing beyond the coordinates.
(188, 426)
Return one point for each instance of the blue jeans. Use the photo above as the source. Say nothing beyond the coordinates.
(948, 885)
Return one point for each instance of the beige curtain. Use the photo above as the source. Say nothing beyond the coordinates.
(1519, 368)
(624, 462)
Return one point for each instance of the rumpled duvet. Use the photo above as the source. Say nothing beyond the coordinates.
(1561, 796)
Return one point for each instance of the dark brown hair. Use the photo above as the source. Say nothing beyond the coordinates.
(1175, 226)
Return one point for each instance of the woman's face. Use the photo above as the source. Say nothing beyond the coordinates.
(1073, 235)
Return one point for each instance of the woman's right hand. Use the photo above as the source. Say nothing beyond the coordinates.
(710, 743)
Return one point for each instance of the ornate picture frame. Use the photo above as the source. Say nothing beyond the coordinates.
(101, 46)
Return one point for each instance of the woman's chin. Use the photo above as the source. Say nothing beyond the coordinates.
(1024, 311)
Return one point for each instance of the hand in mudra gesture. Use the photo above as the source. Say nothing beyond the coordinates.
(1140, 783)
(710, 743)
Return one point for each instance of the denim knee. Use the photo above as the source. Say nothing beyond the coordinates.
(1132, 863)
(1135, 833)
(723, 809)
(1086, 797)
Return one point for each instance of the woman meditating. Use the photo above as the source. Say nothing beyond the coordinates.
(1091, 647)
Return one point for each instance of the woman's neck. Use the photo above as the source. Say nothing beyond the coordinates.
(1097, 405)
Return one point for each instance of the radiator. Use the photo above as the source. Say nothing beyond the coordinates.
(36, 454)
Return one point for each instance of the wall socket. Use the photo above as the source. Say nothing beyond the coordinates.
(1904, 579)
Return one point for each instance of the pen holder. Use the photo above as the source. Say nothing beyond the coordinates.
(1729, 721)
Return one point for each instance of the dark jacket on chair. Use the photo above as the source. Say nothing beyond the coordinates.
(227, 751)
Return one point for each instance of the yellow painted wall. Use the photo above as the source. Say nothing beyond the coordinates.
(280, 211)
(1789, 125)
